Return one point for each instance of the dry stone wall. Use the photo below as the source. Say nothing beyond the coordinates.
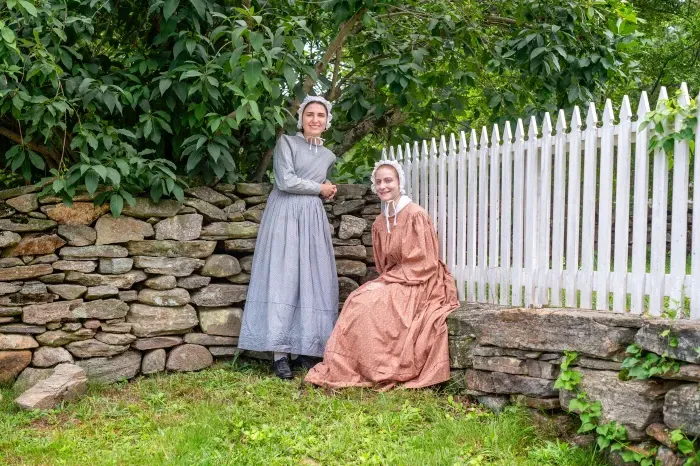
(501, 355)
(161, 288)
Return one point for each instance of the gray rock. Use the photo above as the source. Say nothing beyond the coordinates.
(145, 208)
(77, 266)
(10, 262)
(506, 364)
(92, 324)
(173, 297)
(240, 279)
(351, 227)
(33, 288)
(351, 191)
(153, 362)
(24, 203)
(682, 409)
(128, 296)
(180, 228)
(460, 355)
(17, 342)
(246, 263)
(220, 265)
(240, 245)
(71, 326)
(536, 403)
(18, 191)
(68, 382)
(115, 338)
(47, 356)
(32, 224)
(120, 327)
(687, 372)
(666, 457)
(496, 404)
(23, 329)
(351, 268)
(110, 370)
(253, 215)
(61, 337)
(345, 287)
(255, 200)
(24, 272)
(188, 358)
(7, 288)
(12, 363)
(164, 282)
(177, 266)
(92, 252)
(224, 321)
(145, 344)
(220, 295)
(165, 248)
(230, 230)
(9, 239)
(193, 282)
(224, 351)
(53, 278)
(500, 383)
(687, 333)
(45, 259)
(210, 340)
(587, 332)
(116, 266)
(149, 321)
(600, 364)
(77, 235)
(40, 314)
(633, 403)
(210, 212)
(347, 207)
(112, 230)
(102, 291)
(30, 377)
(346, 242)
(253, 189)
(207, 194)
(6, 210)
(122, 281)
(350, 252)
(101, 309)
(94, 348)
(36, 244)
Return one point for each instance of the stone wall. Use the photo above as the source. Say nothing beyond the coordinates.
(162, 287)
(501, 355)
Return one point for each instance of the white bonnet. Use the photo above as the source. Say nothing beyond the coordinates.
(314, 98)
(399, 170)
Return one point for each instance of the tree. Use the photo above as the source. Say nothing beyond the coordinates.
(135, 95)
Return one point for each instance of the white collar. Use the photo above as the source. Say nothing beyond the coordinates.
(396, 207)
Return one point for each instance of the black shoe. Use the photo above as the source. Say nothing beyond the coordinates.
(304, 362)
(281, 368)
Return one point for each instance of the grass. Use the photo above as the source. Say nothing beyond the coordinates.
(237, 414)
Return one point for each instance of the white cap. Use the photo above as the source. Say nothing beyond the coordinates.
(310, 99)
(399, 170)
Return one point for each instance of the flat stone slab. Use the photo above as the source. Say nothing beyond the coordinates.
(163, 282)
(77, 235)
(89, 252)
(500, 383)
(81, 213)
(209, 195)
(587, 332)
(58, 338)
(112, 230)
(94, 348)
(68, 382)
(219, 295)
(149, 321)
(224, 321)
(181, 228)
(230, 230)
(24, 272)
(110, 370)
(103, 309)
(153, 362)
(115, 266)
(36, 244)
(210, 340)
(76, 266)
(687, 332)
(31, 225)
(47, 356)
(145, 208)
(682, 409)
(41, 314)
(121, 281)
(9, 341)
(173, 297)
(168, 248)
(175, 266)
(144, 344)
(221, 266)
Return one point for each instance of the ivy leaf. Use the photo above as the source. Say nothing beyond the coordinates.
(169, 8)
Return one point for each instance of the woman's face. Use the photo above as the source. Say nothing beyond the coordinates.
(386, 181)
(314, 119)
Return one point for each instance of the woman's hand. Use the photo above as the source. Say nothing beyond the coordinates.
(328, 190)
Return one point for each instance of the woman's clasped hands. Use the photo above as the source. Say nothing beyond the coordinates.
(328, 190)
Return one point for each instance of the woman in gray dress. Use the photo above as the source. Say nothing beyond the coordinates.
(292, 302)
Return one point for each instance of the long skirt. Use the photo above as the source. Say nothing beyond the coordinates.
(292, 302)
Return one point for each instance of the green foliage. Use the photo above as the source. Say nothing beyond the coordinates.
(687, 447)
(568, 379)
(642, 364)
(672, 122)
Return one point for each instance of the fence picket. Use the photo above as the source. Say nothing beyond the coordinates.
(471, 221)
(607, 140)
(482, 218)
(442, 199)
(494, 213)
(518, 213)
(531, 203)
(461, 214)
(695, 248)
(573, 223)
(589, 202)
(506, 214)
(541, 292)
(558, 210)
(451, 202)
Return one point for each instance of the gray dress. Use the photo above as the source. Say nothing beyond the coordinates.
(292, 302)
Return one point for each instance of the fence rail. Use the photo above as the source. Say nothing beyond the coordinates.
(560, 217)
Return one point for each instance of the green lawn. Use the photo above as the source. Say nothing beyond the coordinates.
(238, 414)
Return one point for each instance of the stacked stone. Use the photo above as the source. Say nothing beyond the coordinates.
(162, 287)
(500, 355)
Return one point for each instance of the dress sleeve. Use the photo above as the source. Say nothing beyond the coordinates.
(377, 250)
(286, 178)
(419, 254)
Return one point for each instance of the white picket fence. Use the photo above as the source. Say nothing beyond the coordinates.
(516, 217)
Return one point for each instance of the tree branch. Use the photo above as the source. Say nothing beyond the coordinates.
(357, 132)
(52, 156)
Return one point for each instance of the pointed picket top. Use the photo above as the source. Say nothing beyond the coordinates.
(608, 115)
(453, 143)
(391, 153)
(547, 125)
(663, 95)
(643, 107)
(443, 146)
(519, 130)
(383, 153)
(416, 152)
(507, 133)
(473, 142)
(576, 119)
(399, 154)
(424, 151)
(496, 136)
(407, 152)
(484, 141)
(433, 149)
(625, 110)
(462, 141)
(561, 122)
(591, 116)
(532, 129)
(684, 98)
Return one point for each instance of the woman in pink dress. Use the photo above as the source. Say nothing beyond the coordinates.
(392, 330)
